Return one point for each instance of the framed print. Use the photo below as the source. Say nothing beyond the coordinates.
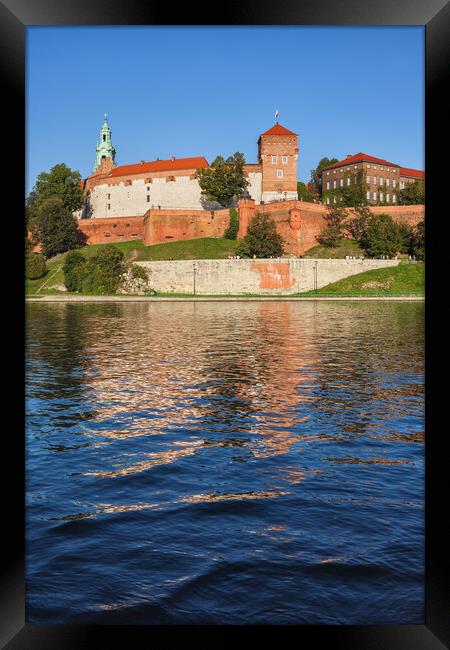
(227, 425)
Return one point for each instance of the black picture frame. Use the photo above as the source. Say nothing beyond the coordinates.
(434, 15)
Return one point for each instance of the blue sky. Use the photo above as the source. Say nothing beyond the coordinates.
(193, 91)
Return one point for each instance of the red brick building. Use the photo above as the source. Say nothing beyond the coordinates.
(382, 179)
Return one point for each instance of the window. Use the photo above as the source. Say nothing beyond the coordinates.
(381, 181)
(387, 198)
(328, 173)
(104, 138)
(334, 171)
(368, 194)
(109, 196)
(328, 200)
(393, 183)
(381, 196)
(374, 180)
(328, 185)
(109, 206)
(374, 196)
(274, 160)
(342, 182)
(368, 166)
(148, 198)
(334, 199)
(334, 184)
(284, 160)
(348, 180)
(394, 198)
(148, 189)
(368, 180)
(279, 173)
(387, 182)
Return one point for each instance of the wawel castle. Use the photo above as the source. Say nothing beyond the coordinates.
(132, 190)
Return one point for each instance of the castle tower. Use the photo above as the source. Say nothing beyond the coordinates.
(278, 154)
(105, 150)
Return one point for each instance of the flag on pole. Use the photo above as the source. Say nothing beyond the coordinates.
(276, 114)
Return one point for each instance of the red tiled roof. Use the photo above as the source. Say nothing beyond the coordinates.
(413, 173)
(160, 166)
(361, 157)
(277, 129)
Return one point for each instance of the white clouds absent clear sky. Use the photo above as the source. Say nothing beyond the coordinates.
(204, 91)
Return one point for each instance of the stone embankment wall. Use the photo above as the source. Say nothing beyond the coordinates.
(262, 276)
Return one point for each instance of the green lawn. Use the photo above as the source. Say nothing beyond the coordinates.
(402, 280)
(345, 247)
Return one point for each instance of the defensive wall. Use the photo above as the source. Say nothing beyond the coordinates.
(261, 276)
(298, 222)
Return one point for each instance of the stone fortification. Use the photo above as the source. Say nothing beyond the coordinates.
(298, 222)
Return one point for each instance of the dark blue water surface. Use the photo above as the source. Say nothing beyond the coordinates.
(225, 463)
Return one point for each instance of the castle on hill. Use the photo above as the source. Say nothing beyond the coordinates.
(132, 190)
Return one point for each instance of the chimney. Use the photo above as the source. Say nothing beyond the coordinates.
(142, 162)
(173, 158)
(349, 155)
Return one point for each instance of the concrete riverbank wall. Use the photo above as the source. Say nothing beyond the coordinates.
(261, 276)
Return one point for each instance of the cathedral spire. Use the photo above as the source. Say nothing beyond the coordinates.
(105, 149)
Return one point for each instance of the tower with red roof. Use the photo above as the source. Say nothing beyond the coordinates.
(278, 155)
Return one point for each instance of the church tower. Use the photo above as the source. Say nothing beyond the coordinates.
(278, 154)
(105, 149)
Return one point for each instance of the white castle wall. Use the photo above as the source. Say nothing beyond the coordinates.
(137, 198)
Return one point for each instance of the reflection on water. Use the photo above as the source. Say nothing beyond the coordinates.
(184, 456)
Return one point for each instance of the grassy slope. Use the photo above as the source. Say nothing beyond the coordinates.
(345, 247)
(192, 249)
(402, 280)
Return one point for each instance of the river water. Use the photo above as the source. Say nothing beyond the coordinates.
(230, 463)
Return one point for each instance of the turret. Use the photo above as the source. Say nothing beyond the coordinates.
(105, 148)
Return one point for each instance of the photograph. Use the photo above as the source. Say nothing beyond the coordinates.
(225, 325)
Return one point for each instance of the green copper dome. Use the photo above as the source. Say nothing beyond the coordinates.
(104, 149)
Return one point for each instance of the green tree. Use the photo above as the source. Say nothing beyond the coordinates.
(62, 182)
(418, 241)
(406, 234)
(103, 272)
(358, 224)
(316, 176)
(304, 193)
(56, 228)
(74, 270)
(232, 231)
(35, 266)
(412, 194)
(334, 230)
(262, 238)
(381, 237)
(224, 180)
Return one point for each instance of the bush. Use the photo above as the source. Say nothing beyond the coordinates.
(381, 237)
(139, 272)
(35, 266)
(73, 269)
(262, 239)
(99, 274)
(102, 273)
(232, 231)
